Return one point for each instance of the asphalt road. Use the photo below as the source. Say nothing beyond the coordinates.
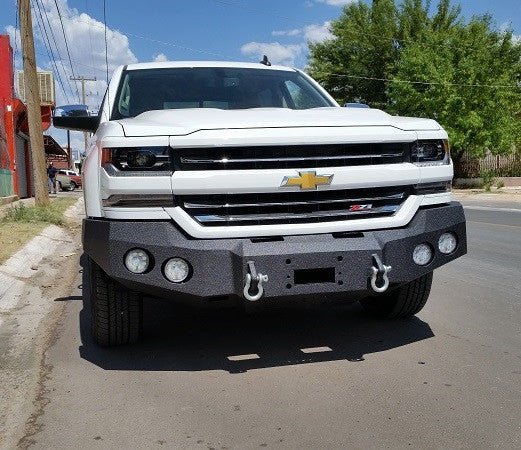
(326, 377)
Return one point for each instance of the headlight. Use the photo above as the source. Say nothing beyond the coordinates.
(136, 159)
(430, 153)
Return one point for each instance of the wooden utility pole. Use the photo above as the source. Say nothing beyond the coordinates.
(32, 96)
(84, 100)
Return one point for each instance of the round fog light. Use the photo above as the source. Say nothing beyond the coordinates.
(447, 243)
(422, 254)
(176, 270)
(137, 261)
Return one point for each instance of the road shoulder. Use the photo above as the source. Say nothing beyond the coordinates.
(32, 282)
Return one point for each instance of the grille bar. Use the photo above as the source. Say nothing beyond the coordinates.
(293, 207)
(291, 156)
(338, 214)
(209, 205)
(186, 160)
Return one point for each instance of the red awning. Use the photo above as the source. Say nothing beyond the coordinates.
(20, 114)
(52, 147)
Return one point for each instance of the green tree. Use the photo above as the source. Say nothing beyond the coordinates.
(471, 75)
(402, 59)
(364, 47)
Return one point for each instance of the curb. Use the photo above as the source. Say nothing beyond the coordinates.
(24, 264)
(7, 200)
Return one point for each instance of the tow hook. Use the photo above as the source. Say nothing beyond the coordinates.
(253, 289)
(379, 271)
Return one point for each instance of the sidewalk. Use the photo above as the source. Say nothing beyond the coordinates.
(474, 196)
(32, 283)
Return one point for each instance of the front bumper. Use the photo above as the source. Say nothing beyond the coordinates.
(220, 265)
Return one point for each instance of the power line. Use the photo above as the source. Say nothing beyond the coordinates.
(428, 83)
(54, 40)
(48, 48)
(66, 45)
(90, 34)
(106, 42)
(182, 47)
(169, 44)
(393, 39)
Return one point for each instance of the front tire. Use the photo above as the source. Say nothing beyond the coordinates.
(404, 301)
(72, 186)
(117, 312)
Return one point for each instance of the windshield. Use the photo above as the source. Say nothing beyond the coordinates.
(214, 87)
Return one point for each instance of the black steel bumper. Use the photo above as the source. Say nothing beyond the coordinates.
(220, 265)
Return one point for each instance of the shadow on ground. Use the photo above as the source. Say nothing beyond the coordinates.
(183, 338)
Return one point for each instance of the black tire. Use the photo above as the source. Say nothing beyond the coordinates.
(404, 301)
(72, 186)
(117, 312)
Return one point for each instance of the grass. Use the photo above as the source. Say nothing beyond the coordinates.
(21, 223)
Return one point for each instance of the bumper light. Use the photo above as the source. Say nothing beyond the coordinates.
(438, 187)
(176, 270)
(422, 254)
(137, 261)
(447, 243)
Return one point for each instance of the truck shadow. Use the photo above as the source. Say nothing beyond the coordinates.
(181, 338)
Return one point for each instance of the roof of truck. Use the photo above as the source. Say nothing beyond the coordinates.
(179, 64)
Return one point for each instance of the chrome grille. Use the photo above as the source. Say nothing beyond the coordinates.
(293, 207)
(291, 156)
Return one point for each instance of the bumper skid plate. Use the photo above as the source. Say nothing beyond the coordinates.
(294, 265)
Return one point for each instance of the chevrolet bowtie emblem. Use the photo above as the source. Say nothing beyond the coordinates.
(308, 180)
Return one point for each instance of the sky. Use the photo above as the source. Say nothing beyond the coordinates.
(139, 30)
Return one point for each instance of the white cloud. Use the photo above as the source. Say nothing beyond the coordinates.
(318, 33)
(86, 42)
(276, 52)
(336, 2)
(311, 33)
(14, 37)
(294, 32)
(161, 57)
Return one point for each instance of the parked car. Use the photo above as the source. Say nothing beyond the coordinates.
(68, 180)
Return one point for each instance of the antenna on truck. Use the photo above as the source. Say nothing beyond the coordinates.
(265, 61)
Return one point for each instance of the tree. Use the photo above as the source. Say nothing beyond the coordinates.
(471, 77)
(465, 74)
(363, 48)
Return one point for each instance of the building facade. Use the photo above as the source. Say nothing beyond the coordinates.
(15, 161)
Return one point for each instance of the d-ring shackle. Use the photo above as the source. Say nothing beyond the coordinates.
(379, 270)
(254, 281)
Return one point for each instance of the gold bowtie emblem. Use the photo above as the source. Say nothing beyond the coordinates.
(308, 180)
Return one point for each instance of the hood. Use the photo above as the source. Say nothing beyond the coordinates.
(181, 122)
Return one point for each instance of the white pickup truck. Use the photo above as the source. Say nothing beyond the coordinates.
(218, 180)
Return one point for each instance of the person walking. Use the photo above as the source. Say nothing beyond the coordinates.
(51, 175)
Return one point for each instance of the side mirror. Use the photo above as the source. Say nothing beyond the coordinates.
(75, 117)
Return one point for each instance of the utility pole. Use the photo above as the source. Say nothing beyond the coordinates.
(34, 114)
(84, 100)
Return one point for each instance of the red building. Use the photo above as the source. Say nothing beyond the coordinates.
(15, 164)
